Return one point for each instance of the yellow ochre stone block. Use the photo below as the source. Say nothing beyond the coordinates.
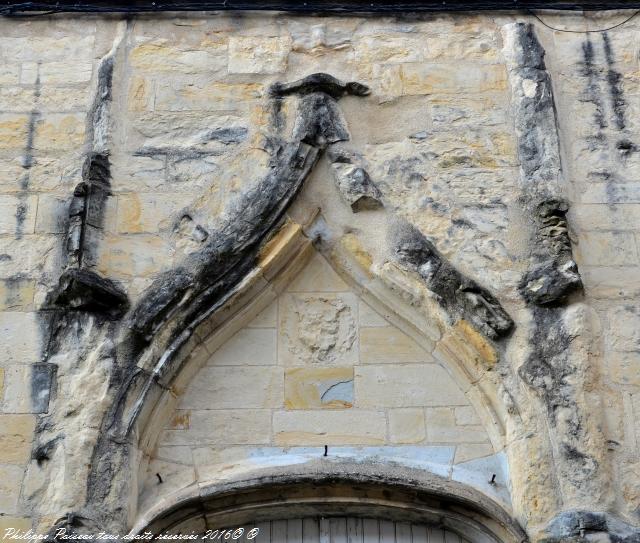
(60, 132)
(13, 131)
(161, 55)
(277, 243)
(418, 78)
(313, 388)
(389, 345)
(479, 343)
(406, 425)
(16, 435)
(353, 246)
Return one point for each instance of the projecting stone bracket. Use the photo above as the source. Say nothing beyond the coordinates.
(84, 290)
(551, 282)
(589, 526)
(460, 296)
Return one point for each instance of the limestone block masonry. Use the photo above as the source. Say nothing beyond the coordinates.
(275, 264)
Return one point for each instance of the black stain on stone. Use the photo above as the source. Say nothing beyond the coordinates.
(614, 82)
(97, 169)
(14, 285)
(227, 136)
(546, 369)
(72, 523)
(626, 148)
(43, 379)
(28, 161)
(592, 91)
(43, 452)
(85, 290)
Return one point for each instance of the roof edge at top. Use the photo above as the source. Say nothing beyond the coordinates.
(315, 6)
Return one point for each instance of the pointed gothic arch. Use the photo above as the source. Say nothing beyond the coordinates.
(281, 260)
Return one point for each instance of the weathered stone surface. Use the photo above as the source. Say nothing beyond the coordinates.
(60, 132)
(353, 181)
(389, 345)
(571, 526)
(556, 277)
(21, 334)
(624, 367)
(406, 386)
(318, 276)
(206, 96)
(551, 282)
(624, 333)
(223, 387)
(406, 425)
(258, 55)
(607, 249)
(267, 318)
(447, 79)
(161, 56)
(389, 49)
(17, 293)
(369, 318)
(335, 427)
(251, 347)
(250, 426)
(466, 416)
(17, 214)
(38, 47)
(10, 480)
(13, 129)
(437, 138)
(17, 523)
(16, 436)
(126, 257)
(589, 217)
(442, 428)
(471, 451)
(148, 212)
(52, 214)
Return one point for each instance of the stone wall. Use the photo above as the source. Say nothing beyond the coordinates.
(487, 165)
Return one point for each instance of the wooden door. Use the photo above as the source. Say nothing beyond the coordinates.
(350, 530)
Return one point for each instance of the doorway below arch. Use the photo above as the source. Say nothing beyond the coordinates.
(350, 530)
(331, 496)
